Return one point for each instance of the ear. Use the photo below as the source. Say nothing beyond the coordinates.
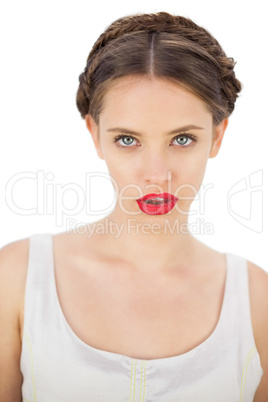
(218, 133)
(94, 131)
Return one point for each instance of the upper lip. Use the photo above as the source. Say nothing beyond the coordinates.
(165, 196)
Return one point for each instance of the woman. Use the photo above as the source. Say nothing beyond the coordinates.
(134, 307)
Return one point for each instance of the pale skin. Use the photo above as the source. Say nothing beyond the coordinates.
(154, 108)
(170, 270)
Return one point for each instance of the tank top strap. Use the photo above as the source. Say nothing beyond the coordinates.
(40, 285)
(40, 279)
(57, 365)
(240, 326)
(238, 297)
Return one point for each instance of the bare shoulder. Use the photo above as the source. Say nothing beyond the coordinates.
(258, 288)
(15, 250)
(13, 271)
(13, 263)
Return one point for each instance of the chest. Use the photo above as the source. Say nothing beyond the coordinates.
(138, 317)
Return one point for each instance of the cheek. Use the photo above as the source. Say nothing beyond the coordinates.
(121, 171)
(187, 168)
(188, 177)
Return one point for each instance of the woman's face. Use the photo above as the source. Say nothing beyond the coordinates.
(155, 137)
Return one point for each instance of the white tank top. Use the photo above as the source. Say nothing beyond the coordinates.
(58, 366)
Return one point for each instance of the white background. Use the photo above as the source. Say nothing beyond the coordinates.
(44, 49)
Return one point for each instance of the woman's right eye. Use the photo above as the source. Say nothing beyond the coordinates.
(126, 140)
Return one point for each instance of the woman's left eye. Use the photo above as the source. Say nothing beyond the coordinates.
(126, 141)
(183, 140)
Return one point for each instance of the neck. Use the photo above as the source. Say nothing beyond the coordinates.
(146, 243)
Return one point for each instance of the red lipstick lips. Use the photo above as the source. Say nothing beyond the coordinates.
(157, 204)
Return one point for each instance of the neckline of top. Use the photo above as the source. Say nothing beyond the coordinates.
(120, 356)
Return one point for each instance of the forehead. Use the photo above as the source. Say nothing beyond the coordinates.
(137, 96)
(132, 85)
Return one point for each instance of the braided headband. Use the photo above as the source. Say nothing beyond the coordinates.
(167, 23)
(194, 39)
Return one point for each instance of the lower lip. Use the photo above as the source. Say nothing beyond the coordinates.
(152, 209)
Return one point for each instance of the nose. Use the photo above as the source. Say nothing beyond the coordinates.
(156, 169)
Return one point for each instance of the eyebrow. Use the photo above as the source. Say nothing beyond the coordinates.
(177, 130)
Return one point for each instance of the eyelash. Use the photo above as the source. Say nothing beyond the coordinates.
(188, 136)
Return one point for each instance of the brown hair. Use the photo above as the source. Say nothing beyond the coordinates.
(160, 45)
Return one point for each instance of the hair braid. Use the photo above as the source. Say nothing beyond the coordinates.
(162, 22)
